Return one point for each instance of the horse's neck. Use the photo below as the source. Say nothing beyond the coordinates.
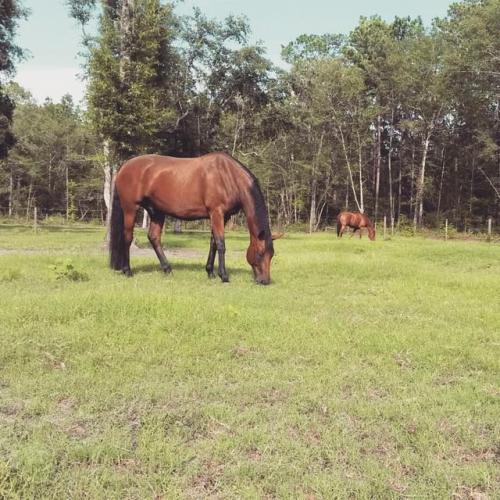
(248, 204)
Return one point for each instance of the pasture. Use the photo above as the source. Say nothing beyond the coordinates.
(366, 370)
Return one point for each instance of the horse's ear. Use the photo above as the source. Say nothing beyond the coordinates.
(277, 236)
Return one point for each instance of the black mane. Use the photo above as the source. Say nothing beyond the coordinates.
(261, 214)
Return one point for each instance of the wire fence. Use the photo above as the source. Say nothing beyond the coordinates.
(484, 228)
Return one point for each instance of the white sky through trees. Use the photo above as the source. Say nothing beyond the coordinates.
(52, 38)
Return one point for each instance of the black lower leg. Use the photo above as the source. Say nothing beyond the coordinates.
(126, 261)
(211, 258)
(221, 249)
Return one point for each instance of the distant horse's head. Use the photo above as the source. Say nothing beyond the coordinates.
(371, 232)
(259, 255)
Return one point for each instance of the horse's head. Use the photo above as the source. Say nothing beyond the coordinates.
(371, 233)
(259, 255)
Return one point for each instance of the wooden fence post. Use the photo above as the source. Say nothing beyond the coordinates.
(489, 228)
(446, 229)
(385, 225)
(35, 219)
(392, 226)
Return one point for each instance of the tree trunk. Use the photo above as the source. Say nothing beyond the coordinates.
(399, 183)
(177, 226)
(441, 184)
(412, 176)
(419, 196)
(312, 212)
(389, 168)
(108, 185)
(145, 219)
(379, 161)
(11, 192)
(349, 169)
(67, 190)
(472, 185)
(360, 164)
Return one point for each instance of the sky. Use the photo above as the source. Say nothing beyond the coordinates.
(52, 38)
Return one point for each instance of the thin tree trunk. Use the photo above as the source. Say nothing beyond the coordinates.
(28, 202)
(419, 197)
(108, 185)
(312, 213)
(346, 192)
(379, 160)
(441, 183)
(11, 192)
(399, 182)
(472, 185)
(360, 162)
(389, 168)
(412, 176)
(67, 190)
(349, 169)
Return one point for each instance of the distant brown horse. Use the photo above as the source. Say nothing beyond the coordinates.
(214, 186)
(356, 221)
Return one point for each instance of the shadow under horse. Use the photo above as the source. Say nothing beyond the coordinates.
(356, 221)
(214, 186)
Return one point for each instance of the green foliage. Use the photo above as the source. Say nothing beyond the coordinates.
(65, 270)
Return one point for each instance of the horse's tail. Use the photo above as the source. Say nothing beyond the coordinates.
(116, 235)
(339, 227)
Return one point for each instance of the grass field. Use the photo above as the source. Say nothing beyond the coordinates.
(366, 370)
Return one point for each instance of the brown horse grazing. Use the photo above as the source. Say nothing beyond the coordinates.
(214, 186)
(356, 221)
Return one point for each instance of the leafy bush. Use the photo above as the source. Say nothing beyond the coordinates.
(67, 271)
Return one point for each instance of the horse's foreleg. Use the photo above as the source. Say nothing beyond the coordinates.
(217, 220)
(211, 257)
(154, 236)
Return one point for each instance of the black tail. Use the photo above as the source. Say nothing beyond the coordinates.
(117, 254)
(339, 226)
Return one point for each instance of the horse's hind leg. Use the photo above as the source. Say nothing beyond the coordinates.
(128, 233)
(154, 236)
(211, 257)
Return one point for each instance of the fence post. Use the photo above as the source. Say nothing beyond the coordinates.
(35, 219)
(385, 225)
(392, 226)
(489, 228)
(446, 229)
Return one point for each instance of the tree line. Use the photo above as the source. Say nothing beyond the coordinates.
(394, 119)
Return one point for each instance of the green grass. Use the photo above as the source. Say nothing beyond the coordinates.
(366, 370)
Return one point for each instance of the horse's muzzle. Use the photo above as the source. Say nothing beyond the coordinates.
(263, 281)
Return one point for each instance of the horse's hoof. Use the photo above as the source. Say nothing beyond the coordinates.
(211, 275)
(127, 273)
(224, 279)
(167, 270)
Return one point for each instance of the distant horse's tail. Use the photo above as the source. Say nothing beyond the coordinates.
(339, 227)
(117, 253)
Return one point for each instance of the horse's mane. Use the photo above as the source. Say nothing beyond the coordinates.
(261, 214)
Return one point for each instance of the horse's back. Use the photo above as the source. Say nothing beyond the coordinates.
(185, 187)
(345, 218)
